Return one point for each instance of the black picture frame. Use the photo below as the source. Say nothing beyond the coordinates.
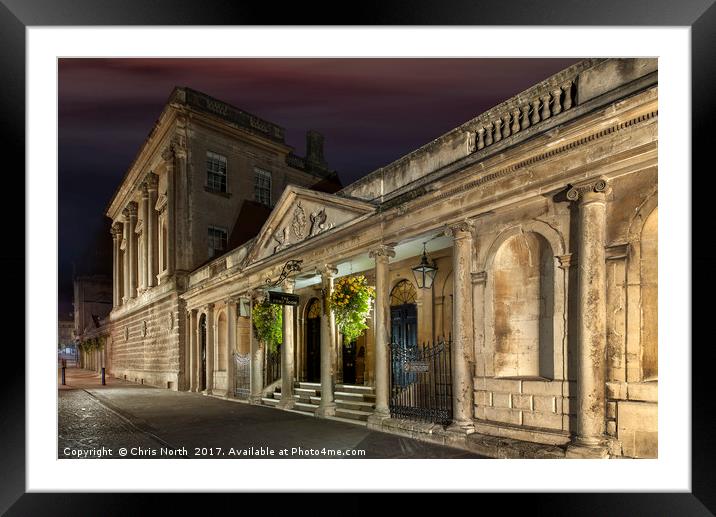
(699, 15)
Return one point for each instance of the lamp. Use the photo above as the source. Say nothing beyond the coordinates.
(424, 272)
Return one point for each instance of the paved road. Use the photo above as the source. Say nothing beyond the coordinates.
(155, 423)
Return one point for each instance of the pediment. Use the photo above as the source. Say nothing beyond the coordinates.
(302, 214)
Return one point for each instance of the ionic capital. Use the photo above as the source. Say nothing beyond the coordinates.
(582, 190)
(151, 181)
(168, 155)
(116, 229)
(232, 300)
(327, 272)
(382, 250)
(564, 261)
(460, 230)
(130, 211)
(209, 307)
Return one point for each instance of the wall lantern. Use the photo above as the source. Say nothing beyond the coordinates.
(425, 272)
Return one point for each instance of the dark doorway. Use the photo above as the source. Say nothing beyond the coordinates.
(349, 362)
(202, 354)
(313, 341)
(404, 314)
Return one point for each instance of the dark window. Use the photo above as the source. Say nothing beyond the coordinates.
(262, 187)
(217, 241)
(215, 172)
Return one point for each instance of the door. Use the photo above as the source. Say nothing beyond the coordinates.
(349, 362)
(313, 342)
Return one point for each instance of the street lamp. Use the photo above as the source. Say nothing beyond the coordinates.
(425, 272)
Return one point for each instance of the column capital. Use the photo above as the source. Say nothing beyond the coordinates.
(288, 284)
(151, 180)
(168, 155)
(130, 210)
(209, 307)
(116, 229)
(459, 229)
(327, 271)
(382, 250)
(564, 261)
(233, 299)
(479, 277)
(144, 188)
(584, 191)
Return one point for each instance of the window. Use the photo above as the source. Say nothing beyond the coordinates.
(217, 241)
(215, 172)
(262, 187)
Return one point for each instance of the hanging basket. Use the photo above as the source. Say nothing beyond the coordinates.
(351, 302)
(268, 324)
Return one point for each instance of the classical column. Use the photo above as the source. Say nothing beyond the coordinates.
(168, 156)
(150, 230)
(125, 256)
(132, 248)
(257, 360)
(462, 331)
(230, 344)
(287, 348)
(116, 263)
(382, 255)
(191, 374)
(327, 407)
(144, 274)
(210, 327)
(590, 440)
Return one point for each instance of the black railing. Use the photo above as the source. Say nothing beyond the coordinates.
(272, 370)
(421, 382)
(242, 375)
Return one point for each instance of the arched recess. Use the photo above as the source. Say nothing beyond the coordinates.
(642, 271)
(524, 304)
(221, 340)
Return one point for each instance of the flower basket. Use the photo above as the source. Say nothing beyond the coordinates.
(351, 302)
(268, 324)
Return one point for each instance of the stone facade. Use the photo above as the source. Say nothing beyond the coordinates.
(541, 217)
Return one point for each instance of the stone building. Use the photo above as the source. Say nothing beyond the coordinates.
(538, 217)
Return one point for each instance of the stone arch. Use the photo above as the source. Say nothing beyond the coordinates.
(524, 303)
(642, 270)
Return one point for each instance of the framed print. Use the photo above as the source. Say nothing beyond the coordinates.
(435, 243)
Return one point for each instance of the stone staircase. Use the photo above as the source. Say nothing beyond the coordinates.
(354, 404)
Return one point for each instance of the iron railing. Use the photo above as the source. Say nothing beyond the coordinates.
(272, 369)
(421, 382)
(242, 375)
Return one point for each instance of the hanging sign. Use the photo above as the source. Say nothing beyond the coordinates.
(416, 367)
(278, 298)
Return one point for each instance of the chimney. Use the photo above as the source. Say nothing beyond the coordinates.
(314, 148)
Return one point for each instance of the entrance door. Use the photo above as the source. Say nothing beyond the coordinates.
(313, 342)
(403, 330)
(349, 362)
(202, 355)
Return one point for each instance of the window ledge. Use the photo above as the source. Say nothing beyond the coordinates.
(217, 192)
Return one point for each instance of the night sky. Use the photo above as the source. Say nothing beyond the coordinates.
(371, 112)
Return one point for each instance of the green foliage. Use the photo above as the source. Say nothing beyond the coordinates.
(351, 303)
(268, 324)
(91, 344)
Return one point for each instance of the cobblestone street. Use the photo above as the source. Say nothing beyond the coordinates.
(154, 423)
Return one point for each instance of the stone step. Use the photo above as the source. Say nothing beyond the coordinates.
(354, 388)
(269, 402)
(302, 406)
(348, 420)
(309, 385)
(345, 395)
(357, 405)
(352, 413)
(306, 391)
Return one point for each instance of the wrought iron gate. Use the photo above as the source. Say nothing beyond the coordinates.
(272, 369)
(242, 375)
(421, 382)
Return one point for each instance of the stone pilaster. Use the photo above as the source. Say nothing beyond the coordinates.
(382, 255)
(151, 230)
(168, 156)
(124, 247)
(231, 316)
(287, 349)
(461, 351)
(192, 363)
(132, 248)
(479, 280)
(591, 405)
(210, 342)
(116, 265)
(327, 407)
(144, 273)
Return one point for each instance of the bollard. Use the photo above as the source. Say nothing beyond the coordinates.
(63, 375)
(103, 376)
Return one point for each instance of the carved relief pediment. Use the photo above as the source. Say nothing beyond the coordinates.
(303, 214)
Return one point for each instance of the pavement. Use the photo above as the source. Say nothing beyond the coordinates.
(146, 422)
